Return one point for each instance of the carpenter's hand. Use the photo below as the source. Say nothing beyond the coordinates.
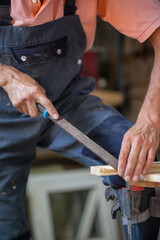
(24, 92)
(138, 150)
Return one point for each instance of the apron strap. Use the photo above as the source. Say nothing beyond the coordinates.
(70, 8)
(5, 19)
(5, 2)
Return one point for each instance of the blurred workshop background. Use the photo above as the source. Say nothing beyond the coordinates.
(64, 201)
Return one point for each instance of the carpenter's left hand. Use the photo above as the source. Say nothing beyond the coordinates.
(138, 150)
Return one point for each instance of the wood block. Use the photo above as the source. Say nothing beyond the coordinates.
(151, 179)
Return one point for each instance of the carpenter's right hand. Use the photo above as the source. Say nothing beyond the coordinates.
(24, 92)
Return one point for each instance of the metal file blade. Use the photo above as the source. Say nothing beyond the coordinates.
(82, 138)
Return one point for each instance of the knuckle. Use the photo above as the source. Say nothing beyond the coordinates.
(147, 142)
(123, 155)
(141, 160)
(46, 102)
(153, 148)
(151, 159)
(21, 101)
(148, 166)
(132, 159)
(35, 89)
(26, 97)
(138, 140)
(52, 111)
(128, 171)
(18, 103)
(43, 90)
(127, 138)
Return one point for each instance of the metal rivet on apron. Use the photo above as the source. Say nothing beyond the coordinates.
(24, 58)
(59, 51)
(34, 1)
(79, 62)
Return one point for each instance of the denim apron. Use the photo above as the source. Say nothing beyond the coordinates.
(50, 53)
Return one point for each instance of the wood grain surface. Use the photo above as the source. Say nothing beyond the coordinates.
(151, 179)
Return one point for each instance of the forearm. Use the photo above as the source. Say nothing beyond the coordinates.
(140, 143)
(151, 107)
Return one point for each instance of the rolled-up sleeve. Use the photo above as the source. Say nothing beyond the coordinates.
(135, 18)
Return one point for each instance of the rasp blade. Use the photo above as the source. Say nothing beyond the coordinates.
(86, 141)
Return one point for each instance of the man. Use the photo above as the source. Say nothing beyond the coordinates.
(40, 55)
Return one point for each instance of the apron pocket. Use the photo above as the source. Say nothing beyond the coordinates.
(40, 53)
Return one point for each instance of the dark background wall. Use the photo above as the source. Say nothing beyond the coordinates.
(126, 64)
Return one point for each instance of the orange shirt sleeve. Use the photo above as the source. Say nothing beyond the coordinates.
(135, 18)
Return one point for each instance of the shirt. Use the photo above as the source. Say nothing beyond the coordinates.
(137, 18)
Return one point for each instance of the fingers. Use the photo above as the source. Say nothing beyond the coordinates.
(48, 106)
(28, 106)
(132, 159)
(20, 109)
(24, 92)
(32, 108)
(140, 164)
(150, 159)
(138, 150)
(136, 158)
(124, 153)
(25, 109)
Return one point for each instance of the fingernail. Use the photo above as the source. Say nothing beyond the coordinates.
(120, 173)
(142, 178)
(135, 178)
(127, 178)
(55, 116)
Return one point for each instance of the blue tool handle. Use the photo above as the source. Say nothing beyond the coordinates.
(42, 110)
